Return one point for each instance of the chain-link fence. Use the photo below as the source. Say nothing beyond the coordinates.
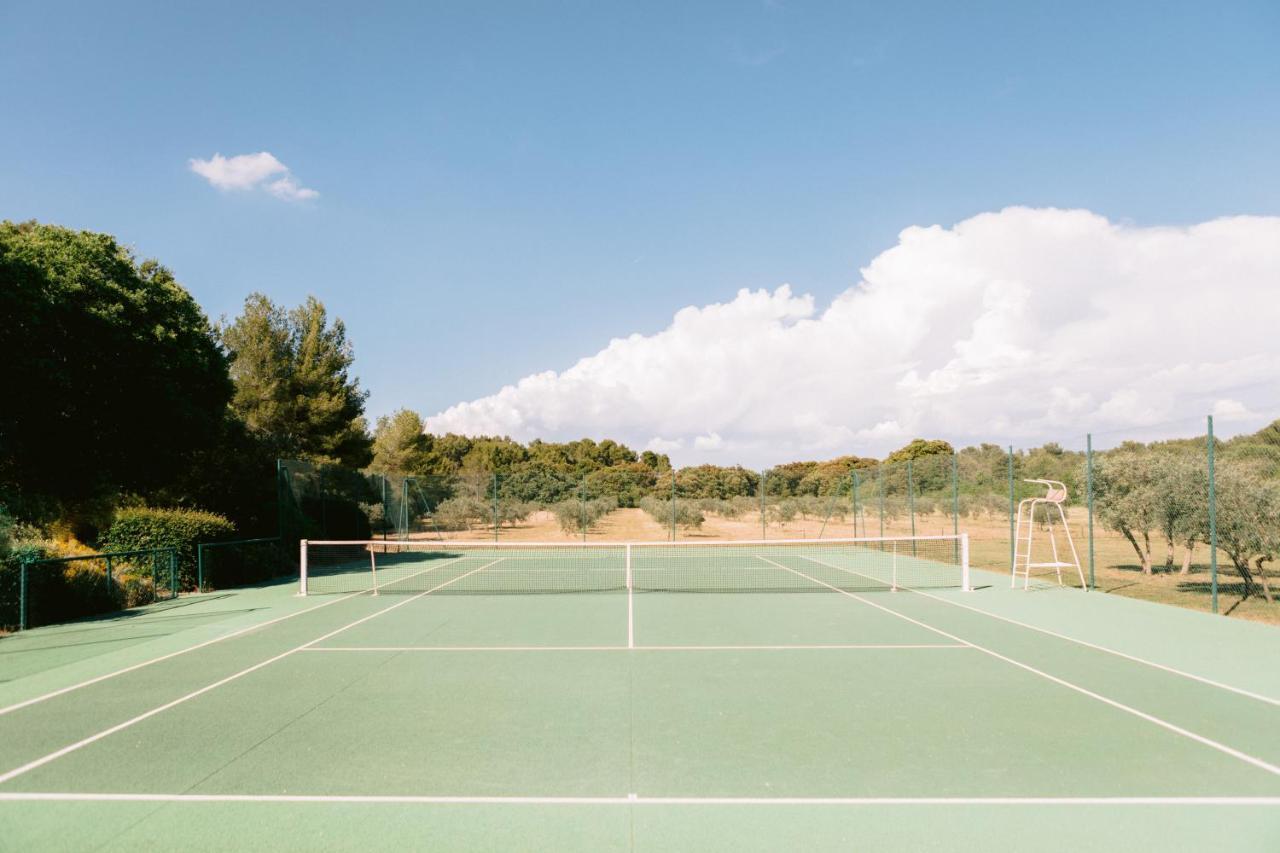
(1163, 513)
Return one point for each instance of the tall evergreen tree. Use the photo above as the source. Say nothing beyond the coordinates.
(293, 383)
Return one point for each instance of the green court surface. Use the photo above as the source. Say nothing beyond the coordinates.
(847, 717)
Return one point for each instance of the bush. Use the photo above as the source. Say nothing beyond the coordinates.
(688, 513)
(182, 529)
(459, 513)
(579, 517)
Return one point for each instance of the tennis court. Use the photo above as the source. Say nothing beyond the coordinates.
(821, 695)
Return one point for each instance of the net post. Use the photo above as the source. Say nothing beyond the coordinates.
(302, 567)
(966, 582)
(373, 567)
(893, 586)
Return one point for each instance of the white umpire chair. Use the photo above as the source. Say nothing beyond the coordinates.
(1053, 499)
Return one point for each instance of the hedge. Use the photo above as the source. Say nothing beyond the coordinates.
(146, 527)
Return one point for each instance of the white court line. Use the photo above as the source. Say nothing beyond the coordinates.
(1169, 669)
(60, 691)
(798, 647)
(1270, 700)
(635, 799)
(1221, 747)
(39, 762)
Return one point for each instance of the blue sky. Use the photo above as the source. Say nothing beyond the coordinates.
(504, 188)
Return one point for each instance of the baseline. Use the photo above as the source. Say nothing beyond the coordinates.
(634, 799)
(689, 648)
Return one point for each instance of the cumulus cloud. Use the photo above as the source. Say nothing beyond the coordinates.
(1022, 325)
(251, 172)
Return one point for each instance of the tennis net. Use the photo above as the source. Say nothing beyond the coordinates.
(811, 565)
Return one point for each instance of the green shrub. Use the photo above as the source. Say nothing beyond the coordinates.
(578, 517)
(17, 543)
(182, 529)
(688, 513)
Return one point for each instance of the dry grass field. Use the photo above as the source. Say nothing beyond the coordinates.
(1116, 568)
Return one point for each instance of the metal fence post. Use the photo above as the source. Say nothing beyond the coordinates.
(955, 503)
(386, 508)
(22, 595)
(1213, 523)
(673, 503)
(495, 507)
(200, 564)
(764, 474)
(173, 572)
(1088, 443)
(880, 491)
(1012, 511)
(854, 475)
(911, 507)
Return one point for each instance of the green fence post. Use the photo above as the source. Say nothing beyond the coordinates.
(911, 507)
(173, 572)
(880, 489)
(387, 514)
(109, 576)
(200, 564)
(582, 507)
(955, 505)
(673, 503)
(763, 476)
(1213, 523)
(1012, 515)
(402, 520)
(280, 499)
(854, 475)
(494, 483)
(1088, 468)
(22, 595)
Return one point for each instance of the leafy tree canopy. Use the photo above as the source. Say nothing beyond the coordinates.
(919, 448)
(111, 370)
(293, 386)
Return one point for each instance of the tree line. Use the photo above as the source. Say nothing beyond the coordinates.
(122, 393)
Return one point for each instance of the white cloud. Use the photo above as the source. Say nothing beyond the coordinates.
(708, 442)
(250, 172)
(1022, 325)
(1232, 410)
